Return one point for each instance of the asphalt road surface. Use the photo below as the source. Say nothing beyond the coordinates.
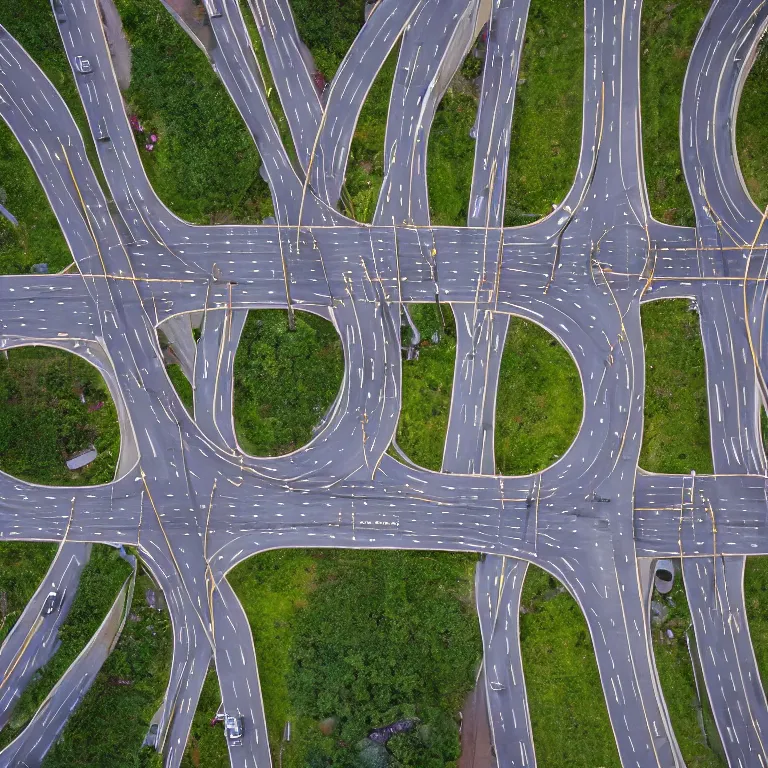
(196, 505)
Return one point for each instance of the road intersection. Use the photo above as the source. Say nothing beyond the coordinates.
(196, 505)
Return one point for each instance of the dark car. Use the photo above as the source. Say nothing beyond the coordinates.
(51, 603)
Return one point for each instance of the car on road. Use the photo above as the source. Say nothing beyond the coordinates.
(52, 602)
(102, 133)
(58, 9)
(83, 65)
(234, 728)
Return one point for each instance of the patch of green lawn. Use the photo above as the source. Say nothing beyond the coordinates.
(667, 35)
(205, 166)
(676, 430)
(284, 381)
(181, 385)
(569, 717)
(207, 744)
(539, 401)
(109, 725)
(751, 136)
(363, 638)
(678, 683)
(100, 582)
(756, 602)
(426, 387)
(40, 391)
(22, 568)
(546, 127)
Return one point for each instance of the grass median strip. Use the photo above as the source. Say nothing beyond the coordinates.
(207, 744)
(751, 136)
(109, 725)
(100, 582)
(667, 35)
(546, 136)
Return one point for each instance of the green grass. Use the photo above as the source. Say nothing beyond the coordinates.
(667, 36)
(751, 136)
(284, 381)
(569, 717)
(181, 385)
(676, 431)
(43, 422)
(207, 744)
(546, 127)
(426, 388)
(109, 725)
(676, 674)
(365, 638)
(756, 602)
(22, 568)
(100, 583)
(539, 401)
(205, 166)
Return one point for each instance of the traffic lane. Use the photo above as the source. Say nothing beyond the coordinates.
(239, 679)
(33, 639)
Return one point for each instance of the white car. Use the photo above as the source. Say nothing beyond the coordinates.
(82, 65)
(234, 728)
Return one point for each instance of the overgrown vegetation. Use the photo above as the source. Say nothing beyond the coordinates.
(539, 402)
(568, 713)
(692, 721)
(284, 381)
(109, 725)
(666, 39)
(676, 431)
(751, 136)
(546, 128)
(100, 583)
(426, 387)
(204, 166)
(354, 640)
(181, 385)
(52, 405)
(23, 565)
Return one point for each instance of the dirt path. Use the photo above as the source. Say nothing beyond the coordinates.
(476, 751)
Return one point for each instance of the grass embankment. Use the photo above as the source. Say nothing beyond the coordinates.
(43, 420)
(284, 381)
(38, 239)
(22, 567)
(676, 431)
(751, 136)
(667, 35)
(207, 746)
(546, 127)
(100, 582)
(204, 166)
(676, 439)
(110, 723)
